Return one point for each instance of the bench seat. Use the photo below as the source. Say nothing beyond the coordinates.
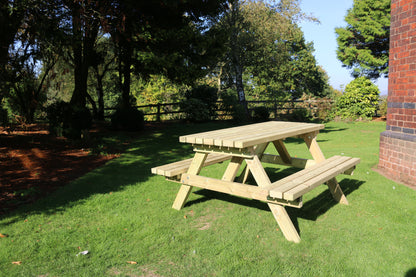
(177, 168)
(296, 185)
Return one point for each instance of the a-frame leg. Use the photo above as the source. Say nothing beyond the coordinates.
(185, 190)
(232, 169)
(281, 149)
(318, 156)
(258, 151)
(278, 211)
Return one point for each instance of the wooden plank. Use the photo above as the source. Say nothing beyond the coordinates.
(278, 188)
(282, 134)
(245, 153)
(185, 190)
(310, 184)
(255, 164)
(278, 211)
(250, 135)
(317, 154)
(177, 168)
(285, 223)
(271, 133)
(313, 146)
(282, 150)
(295, 162)
(228, 187)
(232, 169)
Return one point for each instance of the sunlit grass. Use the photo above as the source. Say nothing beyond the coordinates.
(122, 215)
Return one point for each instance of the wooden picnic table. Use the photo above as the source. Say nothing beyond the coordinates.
(248, 144)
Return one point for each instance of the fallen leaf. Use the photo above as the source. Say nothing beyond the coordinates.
(18, 262)
(131, 262)
(3, 235)
(83, 253)
(185, 217)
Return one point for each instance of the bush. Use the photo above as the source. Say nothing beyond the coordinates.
(260, 114)
(196, 110)
(127, 119)
(231, 107)
(300, 115)
(200, 104)
(383, 106)
(67, 120)
(360, 100)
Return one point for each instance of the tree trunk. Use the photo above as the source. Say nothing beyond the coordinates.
(125, 71)
(100, 95)
(236, 53)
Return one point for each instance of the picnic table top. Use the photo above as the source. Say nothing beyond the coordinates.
(251, 135)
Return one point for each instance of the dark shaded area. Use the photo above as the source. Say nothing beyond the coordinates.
(411, 273)
(157, 144)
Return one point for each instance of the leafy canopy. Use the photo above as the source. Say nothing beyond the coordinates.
(363, 45)
(360, 99)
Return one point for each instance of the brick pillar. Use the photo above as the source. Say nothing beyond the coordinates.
(398, 143)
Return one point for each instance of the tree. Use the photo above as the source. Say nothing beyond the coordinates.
(267, 55)
(173, 38)
(363, 45)
(360, 99)
(22, 78)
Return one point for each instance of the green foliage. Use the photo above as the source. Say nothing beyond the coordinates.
(196, 110)
(363, 45)
(360, 100)
(200, 104)
(268, 52)
(300, 115)
(260, 114)
(383, 106)
(68, 120)
(127, 119)
(231, 107)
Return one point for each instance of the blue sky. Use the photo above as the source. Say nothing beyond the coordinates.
(331, 14)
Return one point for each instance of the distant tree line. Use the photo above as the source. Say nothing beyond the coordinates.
(120, 52)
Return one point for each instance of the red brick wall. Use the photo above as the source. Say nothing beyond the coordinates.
(398, 142)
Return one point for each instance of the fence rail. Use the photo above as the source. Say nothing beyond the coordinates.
(171, 111)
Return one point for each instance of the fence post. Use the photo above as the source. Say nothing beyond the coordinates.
(158, 113)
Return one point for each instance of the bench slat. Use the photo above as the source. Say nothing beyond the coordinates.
(305, 180)
(318, 180)
(177, 168)
(278, 188)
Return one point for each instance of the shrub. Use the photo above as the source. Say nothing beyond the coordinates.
(260, 114)
(231, 107)
(300, 115)
(360, 100)
(383, 106)
(127, 119)
(196, 110)
(200, 104)
(67, 120)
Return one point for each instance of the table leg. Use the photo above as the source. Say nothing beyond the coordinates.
(185, 190)
(281, 149)
(232, 169)
(279, 212)
(259, 150)
(318, 156)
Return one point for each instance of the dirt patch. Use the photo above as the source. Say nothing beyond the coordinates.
(33, 164)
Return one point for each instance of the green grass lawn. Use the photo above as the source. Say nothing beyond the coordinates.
(122, 213)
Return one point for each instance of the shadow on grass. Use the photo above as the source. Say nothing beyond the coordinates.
(411, 273)
(311, 209)
(144, 151)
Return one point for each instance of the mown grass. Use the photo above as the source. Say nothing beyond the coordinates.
(122, 215)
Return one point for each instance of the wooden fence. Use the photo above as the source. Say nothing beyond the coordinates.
(172, 111)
